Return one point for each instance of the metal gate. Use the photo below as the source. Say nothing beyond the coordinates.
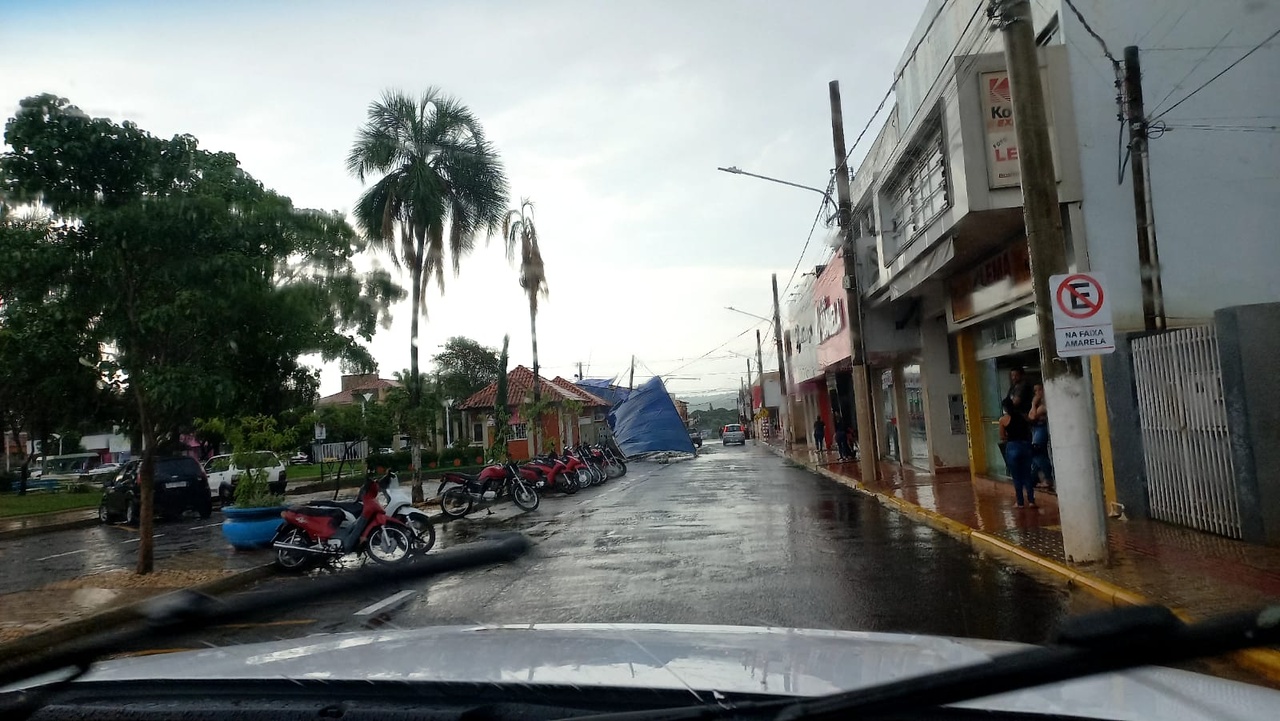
(1183, 418)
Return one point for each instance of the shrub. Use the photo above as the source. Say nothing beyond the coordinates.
(252, 491)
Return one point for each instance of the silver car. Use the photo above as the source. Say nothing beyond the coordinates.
(733, 433)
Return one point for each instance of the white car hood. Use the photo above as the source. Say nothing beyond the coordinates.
(700, 658)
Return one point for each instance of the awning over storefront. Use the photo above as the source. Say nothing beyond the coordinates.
(921, 269)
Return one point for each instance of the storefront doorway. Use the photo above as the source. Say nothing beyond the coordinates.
(994, 374)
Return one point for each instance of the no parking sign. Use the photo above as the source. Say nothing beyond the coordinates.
(1081, 315)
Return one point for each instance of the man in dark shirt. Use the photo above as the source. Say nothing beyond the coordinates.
(1017, 449)
(1019, 386)
(819, 435)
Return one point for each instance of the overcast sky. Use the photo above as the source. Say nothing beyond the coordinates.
(611, 116)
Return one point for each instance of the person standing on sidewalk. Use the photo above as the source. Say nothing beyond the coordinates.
(1041, 463)
(1019, 387)
(1017, 451)
(819, 435)
(842, 439)
(24, 476)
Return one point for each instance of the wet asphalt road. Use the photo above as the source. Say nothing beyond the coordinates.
(735, 536)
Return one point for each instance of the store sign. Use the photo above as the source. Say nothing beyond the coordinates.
(830, 318)
(998, 122)
(991, 284)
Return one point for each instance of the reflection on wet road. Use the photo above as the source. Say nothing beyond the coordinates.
(735, 536)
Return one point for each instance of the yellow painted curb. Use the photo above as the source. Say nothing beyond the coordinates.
(1262, 661)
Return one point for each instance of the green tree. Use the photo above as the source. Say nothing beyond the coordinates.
(47, 354)
(464, 367)
(439, 176)
(518, 228)
(207, 287)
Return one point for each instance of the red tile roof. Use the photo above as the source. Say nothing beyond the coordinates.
(352, 395)
(520, 383)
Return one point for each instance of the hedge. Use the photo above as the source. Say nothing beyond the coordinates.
(401, 460)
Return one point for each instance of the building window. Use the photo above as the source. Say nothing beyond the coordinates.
(917, 194)
(519, 432)
(477, 432)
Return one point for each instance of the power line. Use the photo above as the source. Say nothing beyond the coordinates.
(808, 238)
(1206, 83)
(713, 350)
(1089, 29)
(1178, 85)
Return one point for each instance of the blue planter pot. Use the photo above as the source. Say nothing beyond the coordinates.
(250, 528)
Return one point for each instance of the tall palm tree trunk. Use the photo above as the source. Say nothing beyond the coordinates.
(537, 380)
(415, 383)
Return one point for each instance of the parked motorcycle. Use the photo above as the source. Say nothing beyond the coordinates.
(398, 502)
(325, 531)
(490, 485)
(550, 473)
(615, 464)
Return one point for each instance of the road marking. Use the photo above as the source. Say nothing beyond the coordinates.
(207, 525)
(139, 538)
(386, 603)
(60, 555)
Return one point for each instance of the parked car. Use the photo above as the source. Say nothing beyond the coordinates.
(104, 472)
(695, 435)
(733, 433)
(180, 486)
(299, 458)
(224, 472)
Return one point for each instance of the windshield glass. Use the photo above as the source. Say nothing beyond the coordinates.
(936, 319)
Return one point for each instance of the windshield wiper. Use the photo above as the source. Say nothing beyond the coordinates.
(1086, 646)
(186, 611)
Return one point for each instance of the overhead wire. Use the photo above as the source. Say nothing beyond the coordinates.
(1178, 85)
(1219, 74)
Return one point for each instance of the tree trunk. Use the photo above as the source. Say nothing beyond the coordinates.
(146, 506)
(537, 381)
(415, 382)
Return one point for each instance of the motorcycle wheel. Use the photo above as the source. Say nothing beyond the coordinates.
(524, 496)
(617, 469)
(568, 482)
(599, 475)
(389, 544)
(455, 502)
(422, 528)
(585, 478)
(293, 561)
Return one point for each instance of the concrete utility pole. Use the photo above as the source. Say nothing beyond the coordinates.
(749, 399)
(784, 408)
(631, 380)
(1067, 396)
(868, 456)
(1148, 257)
(760, 376)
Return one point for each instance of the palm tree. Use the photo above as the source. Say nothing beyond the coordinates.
(518, 227)
(438, 173)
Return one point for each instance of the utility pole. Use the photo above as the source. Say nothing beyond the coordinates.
(1148, 257)
(784, 407)
(760, 376)
(751, 404)
(579, 370)
(1067, 396)
(868, 456)
(631, 381)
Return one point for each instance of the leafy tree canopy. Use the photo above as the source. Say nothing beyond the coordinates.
(206, 287)
(466, 366)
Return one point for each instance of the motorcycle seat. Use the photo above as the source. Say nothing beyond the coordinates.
(353, 507)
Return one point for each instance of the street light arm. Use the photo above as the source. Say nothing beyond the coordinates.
(738, 171)
(753, 315)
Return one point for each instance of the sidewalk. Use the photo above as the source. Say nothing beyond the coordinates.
(17, 526)
(1194, 573)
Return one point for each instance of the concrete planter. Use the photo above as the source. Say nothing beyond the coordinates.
(250, 528)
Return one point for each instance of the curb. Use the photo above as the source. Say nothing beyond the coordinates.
(102, 620)
(47, 528)
(1264, 662)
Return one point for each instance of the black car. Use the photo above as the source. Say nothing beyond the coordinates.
(695, 435)
(180, 486)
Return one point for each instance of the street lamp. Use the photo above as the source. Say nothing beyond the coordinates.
(738, 171)
(448, 427)
(753, 315)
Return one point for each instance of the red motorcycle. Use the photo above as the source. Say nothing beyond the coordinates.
(551, 473)
(460, 493)
(320, 531)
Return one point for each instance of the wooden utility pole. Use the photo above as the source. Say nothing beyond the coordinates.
(1067, 396)
(580, 370)
(1148, 257)
(868, 456)
(750, 398)
(760, 377)
(784, 407)
(631, 380)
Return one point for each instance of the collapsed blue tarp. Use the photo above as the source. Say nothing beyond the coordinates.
(647, 421)
(605, 389)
